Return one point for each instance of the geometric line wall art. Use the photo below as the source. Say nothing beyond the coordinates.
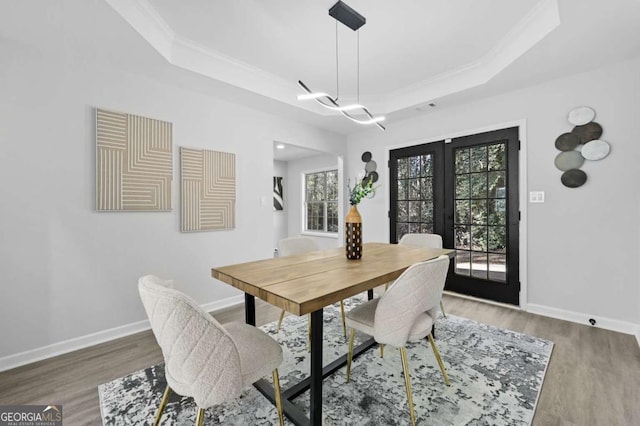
(208, 196)
(134, 162)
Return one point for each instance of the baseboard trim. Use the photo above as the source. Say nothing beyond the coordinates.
(38, 354)
(581, 318)
(477, 299)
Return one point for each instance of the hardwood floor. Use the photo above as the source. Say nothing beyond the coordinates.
(593, 377)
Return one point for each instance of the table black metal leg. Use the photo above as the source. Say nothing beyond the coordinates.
(249, 309)
(370, 294)
(316, 368)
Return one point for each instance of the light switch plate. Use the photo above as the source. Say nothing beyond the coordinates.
(536, 196)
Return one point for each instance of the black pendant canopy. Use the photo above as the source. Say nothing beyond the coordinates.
(343, 13)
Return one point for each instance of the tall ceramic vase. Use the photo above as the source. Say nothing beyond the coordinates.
(353, 233)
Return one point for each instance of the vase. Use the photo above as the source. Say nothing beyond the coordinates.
(353, 233)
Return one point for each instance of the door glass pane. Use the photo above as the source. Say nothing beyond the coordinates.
(403, 211)
(497, 239)
(426, 228)
(497, 157)
(462, 211)
(462, 161)
(414, 189)
(497, 267)
(415, 166)
(497, 210)
(427, 165)
(462, 237)
(478, 185)
(403, 185)
(479, 265)
(426, 212)
(426, 188)
(479, 158)
(402, 229)
(403, 168)
(414, 211)
(479, 212)
(463, 266)
(462, 186)
(414, 228)
(479, 238)
(497, 184)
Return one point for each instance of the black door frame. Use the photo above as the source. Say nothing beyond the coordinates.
(510, 291)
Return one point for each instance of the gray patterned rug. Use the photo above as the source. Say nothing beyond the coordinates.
(495, 374)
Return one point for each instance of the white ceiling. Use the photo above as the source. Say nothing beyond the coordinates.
(411, 52)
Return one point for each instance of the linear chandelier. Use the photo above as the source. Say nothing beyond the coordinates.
(355, 112)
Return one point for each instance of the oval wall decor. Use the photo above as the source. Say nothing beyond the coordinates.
(573, 178)
(595, 150)
(588, 132)
(569, 160)
(567, 141)
(581, 115)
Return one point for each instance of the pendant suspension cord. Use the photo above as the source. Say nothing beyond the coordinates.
(337, 67)
(358, 76)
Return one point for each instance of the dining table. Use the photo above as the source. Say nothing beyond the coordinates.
(305, 284)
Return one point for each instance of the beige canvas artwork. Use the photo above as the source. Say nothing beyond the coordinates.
(134, 162)
(208, 197)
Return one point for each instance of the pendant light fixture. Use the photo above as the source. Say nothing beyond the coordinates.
(357, 113)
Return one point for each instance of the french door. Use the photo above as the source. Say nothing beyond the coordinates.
(465, 190)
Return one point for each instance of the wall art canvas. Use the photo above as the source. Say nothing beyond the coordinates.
(134, 162)
(208, 198)
(278, 201)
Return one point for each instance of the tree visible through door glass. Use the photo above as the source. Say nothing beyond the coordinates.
(480, 232)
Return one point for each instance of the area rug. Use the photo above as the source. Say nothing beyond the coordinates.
(496, 376)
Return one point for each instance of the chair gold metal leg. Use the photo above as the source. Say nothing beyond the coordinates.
(308, 332)
(386, 287)
(407, 382)
(200, 417)
(444, 314)
(439, 359)
(280, 321)
(352, 336)
(163, 403)
(344, 322)
(276, 388)
(381, 350)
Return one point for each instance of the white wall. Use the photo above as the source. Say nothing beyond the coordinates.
(281, 217)
(583, 245)
(295, 171)
(67, 270)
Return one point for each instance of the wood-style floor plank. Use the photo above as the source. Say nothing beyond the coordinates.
(593, 377)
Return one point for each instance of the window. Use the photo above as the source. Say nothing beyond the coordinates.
(321, 201)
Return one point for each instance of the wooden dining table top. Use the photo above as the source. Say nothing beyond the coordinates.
(307, 282)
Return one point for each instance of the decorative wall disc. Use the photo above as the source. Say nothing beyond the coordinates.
(373, 176)
(573, 178)
(567, 141)
(581, 115)
(568, 160)
(588, 132)
(366, 156)
(595, 150)
(370, 166)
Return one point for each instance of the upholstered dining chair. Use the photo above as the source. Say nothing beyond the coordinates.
(404, 313)
(425, 241)
(300, 245)
(204, 360)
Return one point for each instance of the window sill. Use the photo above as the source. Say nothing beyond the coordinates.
(320, 234)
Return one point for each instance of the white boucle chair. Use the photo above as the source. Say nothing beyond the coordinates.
(300, 245)
(426, 241)
(204, 360)
(404, 313)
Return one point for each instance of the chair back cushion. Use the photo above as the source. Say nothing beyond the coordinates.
(296, 245)
(416, 291)
(422, 240)
(201, 359)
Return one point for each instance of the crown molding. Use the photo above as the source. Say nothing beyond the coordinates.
(530, 30)
(187, 54)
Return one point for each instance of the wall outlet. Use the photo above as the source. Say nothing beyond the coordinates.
(536, 197)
